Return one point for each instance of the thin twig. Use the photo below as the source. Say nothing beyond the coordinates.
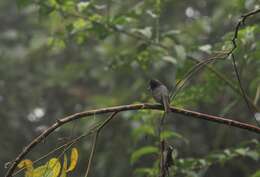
(190, 73)
(231, 52)
(71, 142)
(241, 87)
(139, 106)
(228, 82)
(221, 120)
(95, 141)
(257, 95)
(92, 153)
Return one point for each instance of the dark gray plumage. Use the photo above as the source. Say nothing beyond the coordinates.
(168, 159)
(160, 93)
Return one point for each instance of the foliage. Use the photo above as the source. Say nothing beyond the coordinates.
(52, 168)
(64, 56)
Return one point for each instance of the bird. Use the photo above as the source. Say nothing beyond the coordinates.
(168, 159)
(160, 93)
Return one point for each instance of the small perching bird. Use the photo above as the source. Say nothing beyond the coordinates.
(168, 159)
(160, 93)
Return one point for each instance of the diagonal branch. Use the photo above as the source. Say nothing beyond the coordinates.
(140, 106)
(93, 149)
(228, 82)
(180, 84)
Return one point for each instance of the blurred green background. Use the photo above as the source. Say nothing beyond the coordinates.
(62, 57)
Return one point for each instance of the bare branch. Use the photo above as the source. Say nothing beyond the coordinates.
(231, 52)
(193, 114)
(228, 82)
(179, 85)
(93, 149)
(140, 106)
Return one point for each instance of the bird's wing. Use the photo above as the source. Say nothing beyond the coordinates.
(166, 104)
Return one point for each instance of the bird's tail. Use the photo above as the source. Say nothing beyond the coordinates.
(166, 104)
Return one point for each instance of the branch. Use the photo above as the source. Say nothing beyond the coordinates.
(231, 52)
(239, 23)
(140, 106)
(180, 84)
(228, 82)
(196, 68)
(95, 141)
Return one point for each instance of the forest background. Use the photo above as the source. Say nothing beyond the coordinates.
(63, 57)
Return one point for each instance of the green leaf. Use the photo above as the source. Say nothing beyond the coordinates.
(68, 6)
(256, 174)
(79, 24)
(170, 59)
(253, 155)
(206, 48)
(52, 3)
(56, 44)
(23, 3)
(146, 32)
(180, 52)
(96, 17)
(171, 33)
(83, 6)
(121, 20)
(242, 151)
(171, 134)
(186, 163)
(217, 158)
(247, 34)
(143, 151)
(145, 171)
(151, 13)
(143, 130)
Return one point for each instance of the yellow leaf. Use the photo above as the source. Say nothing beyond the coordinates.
(73, 159)
(28, 165)
(42, 171)
(65, 162)
(64, 167)
(50, 169)
(55, 165)
(25, 164)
